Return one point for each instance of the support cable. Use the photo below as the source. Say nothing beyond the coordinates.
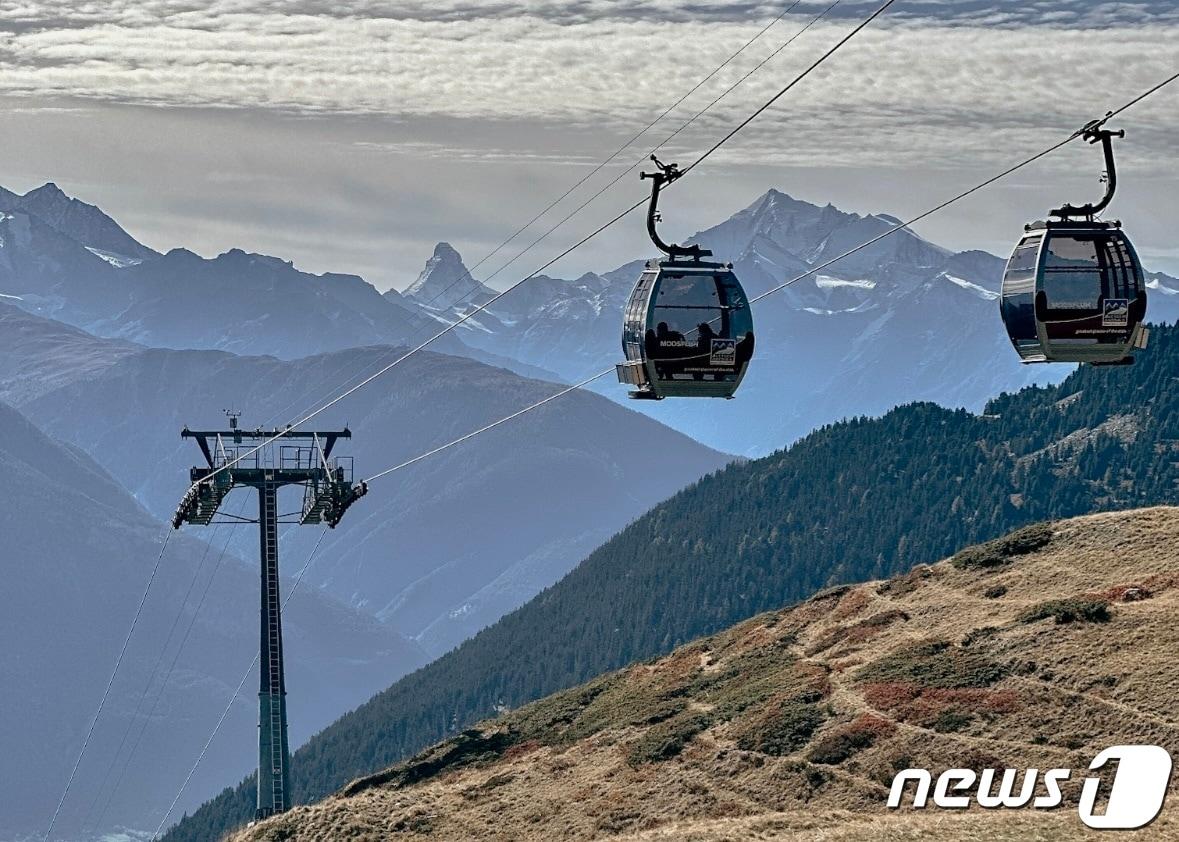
(147, 687)
(813, 270)
(236, 693)
(480, 308)
(171, 669)
(110, 682)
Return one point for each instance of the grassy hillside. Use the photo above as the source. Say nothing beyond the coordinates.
(863, 499)
(1038, 650)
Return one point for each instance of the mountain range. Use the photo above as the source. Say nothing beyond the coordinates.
(1036, 651)
(861, 499)
(902, 320)
(899, 321)
(533, 498)
(110, 347)
(68, 260)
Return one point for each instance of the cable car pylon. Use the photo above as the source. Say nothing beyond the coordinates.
(232, 461)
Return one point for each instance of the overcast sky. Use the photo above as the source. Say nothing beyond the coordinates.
(352, 137)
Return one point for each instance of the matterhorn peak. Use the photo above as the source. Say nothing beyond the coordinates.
(445, 280)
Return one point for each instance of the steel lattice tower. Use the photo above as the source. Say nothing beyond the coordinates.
(236, 458)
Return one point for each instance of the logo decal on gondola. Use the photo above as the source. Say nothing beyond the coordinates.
(1117, 312)
(724, 352)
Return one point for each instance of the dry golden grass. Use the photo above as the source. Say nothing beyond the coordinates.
(790, 725)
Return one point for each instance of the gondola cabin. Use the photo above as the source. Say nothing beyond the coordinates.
(687, 332)
(688, 329)
(1075, 292)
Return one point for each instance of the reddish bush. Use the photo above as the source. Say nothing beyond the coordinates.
(817, 678)
(890, 695)
(521, 749)
(911, 703)
(874, 625)
(858, 735)
(979, 701)
(1123, 593)
(869, 723)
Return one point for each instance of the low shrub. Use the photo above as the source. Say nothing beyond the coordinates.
(784, 729)
(1079, 609)
(851, 604)
(838, 746)
(951, 720)
(940, 709)
(934, 664)
(890, 695)
(1001, 550)
(667, 739)
(1124, 593)
(860, 632)
(906, 583)
(754, 677)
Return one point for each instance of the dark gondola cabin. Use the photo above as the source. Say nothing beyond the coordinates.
(688, 329)
(1074, 290)
(688, 332)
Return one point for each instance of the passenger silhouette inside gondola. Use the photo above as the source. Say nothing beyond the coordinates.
(658, 351)
(745, 349)
(665, 334)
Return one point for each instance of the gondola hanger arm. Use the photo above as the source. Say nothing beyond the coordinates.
(666, 174)
(1095, 132)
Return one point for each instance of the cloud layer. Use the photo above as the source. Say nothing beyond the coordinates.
(932, 68)
(432, 100)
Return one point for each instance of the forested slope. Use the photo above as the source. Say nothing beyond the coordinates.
(1036, 650)
(861, 499)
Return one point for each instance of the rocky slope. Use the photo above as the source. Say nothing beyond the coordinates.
(42, 355)
(1037, 650)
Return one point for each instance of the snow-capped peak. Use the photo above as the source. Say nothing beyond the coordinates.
(829, 282)
(445, 280)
